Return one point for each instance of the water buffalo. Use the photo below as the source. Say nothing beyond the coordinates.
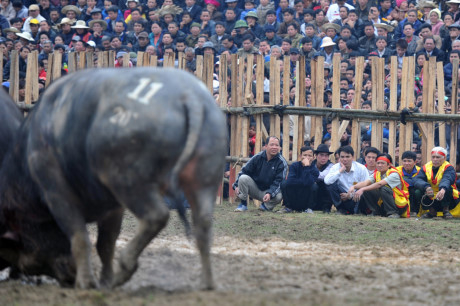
(100, 141)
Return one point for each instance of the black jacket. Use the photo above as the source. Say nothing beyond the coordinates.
(268, 175)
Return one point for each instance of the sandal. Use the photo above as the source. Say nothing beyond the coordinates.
(447, 215)
(427, 216)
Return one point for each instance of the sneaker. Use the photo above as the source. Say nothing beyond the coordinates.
(285, 210)
(394, 216)
(262, 207)
(309, 211)
(241, 207)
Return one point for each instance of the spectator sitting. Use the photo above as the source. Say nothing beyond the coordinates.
(261, 177)
(297, 188)
(384, 193)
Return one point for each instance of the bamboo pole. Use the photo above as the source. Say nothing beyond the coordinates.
(319, 99)
(14, 76)
(57, 66)
(260, 77)
(89, 60)
(286, 118)
(199, 67)
(335, 138)
(393, 106)
(233, 127)
(355, 126)
(72, 58)
(441, 103)
(300, 80)
(49, 72)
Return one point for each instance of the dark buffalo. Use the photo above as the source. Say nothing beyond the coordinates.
(10, 120)
(100, 141)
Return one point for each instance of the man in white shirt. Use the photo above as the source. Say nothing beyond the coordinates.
(34, 13)
(346, 173)
(333, 12)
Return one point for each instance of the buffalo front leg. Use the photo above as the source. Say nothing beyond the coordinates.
(108, 231)
(64, 206)
(147, 205)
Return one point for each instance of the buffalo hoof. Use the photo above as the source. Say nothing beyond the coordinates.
(86, 283)
(123, 273)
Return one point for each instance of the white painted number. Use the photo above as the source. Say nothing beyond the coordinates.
(143, 83)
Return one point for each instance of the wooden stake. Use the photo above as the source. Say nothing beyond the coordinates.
(454, 110)
(355, 125)
(393, 105)
(286, 118)
(49, 71)
(441, 104)
(260, 77)
(335, 137)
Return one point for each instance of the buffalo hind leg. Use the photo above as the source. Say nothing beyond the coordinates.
(202, 204)
(147, 205)
(108, 231)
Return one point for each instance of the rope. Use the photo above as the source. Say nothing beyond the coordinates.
(423, 197)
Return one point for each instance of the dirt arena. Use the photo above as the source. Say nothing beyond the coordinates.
(273, 270)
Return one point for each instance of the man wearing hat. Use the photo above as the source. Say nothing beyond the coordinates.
(297, 190)
(240, 30)
(454, 8)
(142, 42)
(71, 12)
(34, 27)
(386, 30)
(95, 14)
(327, 49)
(98, 27)
(65, 29)
(251, 19)
(436, 181)
(34, 13)
(321, 191)
(454, 34)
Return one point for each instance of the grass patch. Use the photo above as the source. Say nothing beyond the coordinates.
(329, 228)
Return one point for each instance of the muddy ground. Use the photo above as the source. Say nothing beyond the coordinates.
(277, 266)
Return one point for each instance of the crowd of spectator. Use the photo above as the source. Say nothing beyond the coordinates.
(275, 29)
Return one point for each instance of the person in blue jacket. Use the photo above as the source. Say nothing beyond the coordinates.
(297, 188)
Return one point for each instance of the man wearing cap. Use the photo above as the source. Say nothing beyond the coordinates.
(322, 192)
(34, 13)
(261, 177)
(384, 193)
(251, 19)
(142, 43)
(119, 60)
(454, 34)
(271, 37)
(240, 30)
(34, 26)
(297, 188)
(95, 14)
(436, 181)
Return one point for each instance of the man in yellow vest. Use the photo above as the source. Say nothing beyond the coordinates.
(436, 180)
(409, 171)
(385, 193)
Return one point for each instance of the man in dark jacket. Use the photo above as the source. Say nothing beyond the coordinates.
(297, 188)
(261, 177)
(436, 180)
(23, 53)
